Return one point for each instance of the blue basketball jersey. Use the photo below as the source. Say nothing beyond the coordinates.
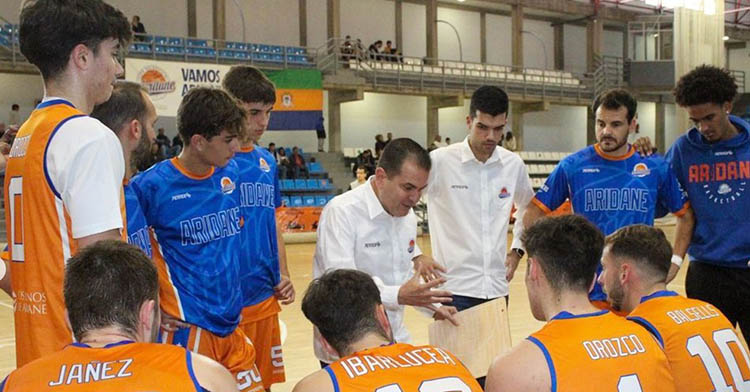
(196, 222)
(612, 192)
(260, 195)
(137, 226)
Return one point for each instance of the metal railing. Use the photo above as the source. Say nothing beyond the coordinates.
(609, 73)
(739, 78)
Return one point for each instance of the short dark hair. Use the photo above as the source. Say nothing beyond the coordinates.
(394, 155)
(207, 112)
(126, 103)
(568, 249)
(614, 99)
(342, 303)
(50, 29)
(361, 167)
(14, 106)
(488, 99)
(249, 85)
(272, 144)
(646, 246)
(705, 84)
(105, 285)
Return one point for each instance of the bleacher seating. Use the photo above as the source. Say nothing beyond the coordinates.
(540, 164)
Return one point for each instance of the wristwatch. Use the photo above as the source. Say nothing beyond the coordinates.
(520, 252)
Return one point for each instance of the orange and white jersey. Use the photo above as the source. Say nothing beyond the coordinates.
(63, 181)
(701, 345)
(123, 366)
(602, 352)
(401, 367)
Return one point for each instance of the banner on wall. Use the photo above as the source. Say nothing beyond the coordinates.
(299, 92)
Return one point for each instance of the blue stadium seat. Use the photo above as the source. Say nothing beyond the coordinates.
(309, 201)
(159, 40)
(226, 54)
(175, 50)
(285, 201)
(160, 49)
(277, 58)
(201, 43)
(147, 38)
(210, 52)
(264, 48)
(288, 151)
(253, 47)
(300, 184)
(321, 200)
(4, 40)
(330, 197)
(287, 185)
(315, 167)
(324, 184)
(297, 201)
(176, 41)
(240, 45)
(277, 49)
(312, 183)
(241, 54)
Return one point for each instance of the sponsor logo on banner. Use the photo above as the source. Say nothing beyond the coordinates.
(156, 81)
(286, 100)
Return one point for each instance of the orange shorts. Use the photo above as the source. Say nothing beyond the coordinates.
(605, 305)
(260, 322)
(235, 351)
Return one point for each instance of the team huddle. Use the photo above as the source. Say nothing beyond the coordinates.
(192, 301)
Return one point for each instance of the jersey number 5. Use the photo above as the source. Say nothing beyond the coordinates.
(15, 200)
(437, 385)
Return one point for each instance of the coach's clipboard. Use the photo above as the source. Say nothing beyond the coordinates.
(483, 333)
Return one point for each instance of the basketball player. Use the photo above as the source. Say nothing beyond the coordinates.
(264, 275)
(580, 348)
(703, 350)
(131, 115)
(113, 349)
(612, 186)
(63, 183)
(192, 205)
(373, 229)
(345, 307)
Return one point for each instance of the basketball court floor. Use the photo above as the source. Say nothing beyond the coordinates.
(298, 353)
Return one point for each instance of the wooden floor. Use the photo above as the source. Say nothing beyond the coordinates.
(298, 353)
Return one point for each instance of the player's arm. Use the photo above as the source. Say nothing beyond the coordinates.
(532, 214)
(683, 233)
(315, 382)
(524, 368)
(113, 234)
(285, 289)
(521, 198)
(211, 375)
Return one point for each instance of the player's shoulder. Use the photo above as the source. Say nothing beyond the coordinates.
(315, 382)
(85, 129)
(210, 374)
(525, 358)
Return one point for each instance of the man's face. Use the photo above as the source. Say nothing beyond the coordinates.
(612, 128)
(712, 120)
(258, 115)
(142, 152)
(610, 280)
(272, 148)
(485, 131)
(402, 191)
(218, 150)
(361, 175)
(105, 70)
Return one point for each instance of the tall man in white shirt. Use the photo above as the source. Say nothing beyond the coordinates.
(472, 188)
(373, 229)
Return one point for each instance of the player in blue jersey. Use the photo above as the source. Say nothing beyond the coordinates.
(613, 186)
(263, 270)
(192, 204)
(130, 114)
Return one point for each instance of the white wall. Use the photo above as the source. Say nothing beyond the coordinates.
(317, 28)
(467, 25)
(405, 116)
(453, 122)
(163, 17)
(271, 22)
(414, 35)
(204, 19)
(574, 44)
(670, 123)
(561, 128)
(369, 20)
(499, 40)
(21, 89)
(647, 120)
(612, 43)
(9, 10)
(539, 41)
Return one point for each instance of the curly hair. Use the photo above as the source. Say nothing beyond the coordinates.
(705, 84)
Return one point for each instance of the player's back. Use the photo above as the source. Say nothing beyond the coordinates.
(602, 352)
(702, 347)
(401, 367)
(123, 366)
(137, 228)
(196, 221)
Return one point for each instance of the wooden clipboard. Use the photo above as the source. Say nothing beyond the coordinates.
(483, 334)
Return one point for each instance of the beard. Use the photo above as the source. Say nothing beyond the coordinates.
(141, 156)
(617, 143)
(615, 296)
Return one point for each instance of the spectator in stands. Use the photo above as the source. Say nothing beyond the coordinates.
(163, 141)
(388, 138)
(14, 117)
(379, 145)
(361, 177)
(138, 29)
(298, 164)
(359, 50)
(367, 160)
(447, 141)
(347, 50)
(374, 50)
(320, 129)
(389, 51)
(436, 143)
(509, 142)
(282, 163)
(176, 146)
(273, 151)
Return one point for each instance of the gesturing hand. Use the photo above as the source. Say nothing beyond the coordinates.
(422, 294)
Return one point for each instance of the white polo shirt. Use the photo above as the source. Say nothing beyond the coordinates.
(355, 232)
(469, 205)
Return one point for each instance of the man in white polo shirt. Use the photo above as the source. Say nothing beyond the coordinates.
(472, 188)
(373, 229)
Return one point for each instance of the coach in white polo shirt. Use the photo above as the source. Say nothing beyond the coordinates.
(373, 229)
(472, 188)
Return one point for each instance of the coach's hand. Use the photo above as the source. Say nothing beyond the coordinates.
(430, 268)
(171, 324)
(511, 263)
(422, 294)
(284, 291)
(446, 313)
(643, 146)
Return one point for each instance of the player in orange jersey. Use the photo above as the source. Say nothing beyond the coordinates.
(703, 349)
(580, 348)
(114, 321)
(345, 307)
(63, 182)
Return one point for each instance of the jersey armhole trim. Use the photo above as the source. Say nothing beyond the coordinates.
(550, 364)
(46, 149)
(649, 327)
(333, 378)
(541, 205)
(682, 210)
(189, 360)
